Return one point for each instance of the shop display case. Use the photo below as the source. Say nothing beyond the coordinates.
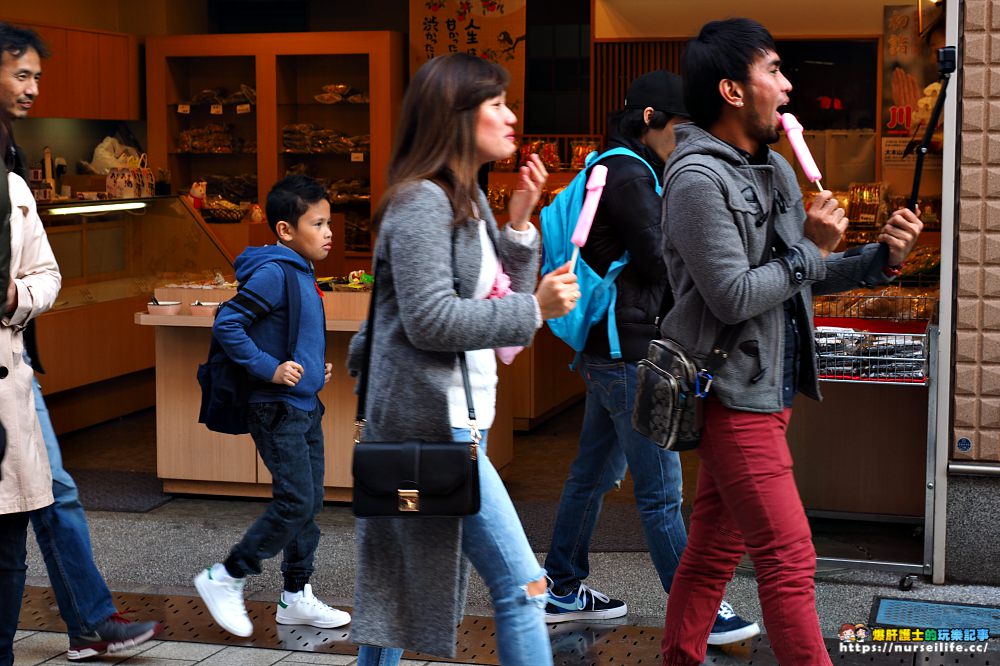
(866, 453)
(112, 255)
(241, 111)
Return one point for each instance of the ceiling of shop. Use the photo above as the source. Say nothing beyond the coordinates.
(616, 19)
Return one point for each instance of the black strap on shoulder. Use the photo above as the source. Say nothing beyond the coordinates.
(5, 211)
(359, 417)
(294, 296)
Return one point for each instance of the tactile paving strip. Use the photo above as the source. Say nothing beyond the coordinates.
(573, 644)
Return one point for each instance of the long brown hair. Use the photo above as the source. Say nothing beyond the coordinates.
(436, 138)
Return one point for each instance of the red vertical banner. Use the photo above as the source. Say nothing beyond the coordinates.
(909, 81)
(491, 29)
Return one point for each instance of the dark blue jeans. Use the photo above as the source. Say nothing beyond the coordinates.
(609, 444)
(13, 541)
(64, 538)
(290, 442)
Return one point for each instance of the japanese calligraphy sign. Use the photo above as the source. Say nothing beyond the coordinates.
(491, 29)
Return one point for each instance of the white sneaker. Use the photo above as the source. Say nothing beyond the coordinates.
(307, 609)
(223, 595)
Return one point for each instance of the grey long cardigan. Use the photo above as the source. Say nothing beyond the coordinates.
(411, 575)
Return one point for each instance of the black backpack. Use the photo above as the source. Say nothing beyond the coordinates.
(226, 385)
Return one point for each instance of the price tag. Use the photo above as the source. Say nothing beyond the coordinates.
(242, 108)
(357, 157)
(184, 108)
(215, 110)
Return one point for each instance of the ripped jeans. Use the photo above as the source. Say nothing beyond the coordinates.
(495, 544)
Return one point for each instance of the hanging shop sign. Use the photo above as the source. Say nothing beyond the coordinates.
(491, 29)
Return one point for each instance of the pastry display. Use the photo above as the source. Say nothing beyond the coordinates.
(334, 93)
(212, 138)
(849, 354)
(579, 151)
(892, 302)
(244, 95)
(236, 188)
(311, 138)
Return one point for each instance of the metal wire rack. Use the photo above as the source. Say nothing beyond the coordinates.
(873, 339)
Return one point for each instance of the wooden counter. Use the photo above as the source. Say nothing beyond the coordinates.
(192, 459)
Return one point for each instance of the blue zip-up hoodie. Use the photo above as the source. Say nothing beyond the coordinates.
(253, 326)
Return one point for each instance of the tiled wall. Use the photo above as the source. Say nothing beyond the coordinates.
(977, 345)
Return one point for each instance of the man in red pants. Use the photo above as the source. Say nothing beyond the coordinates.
(742, 251)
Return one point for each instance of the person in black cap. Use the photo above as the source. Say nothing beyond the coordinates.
(627, 219)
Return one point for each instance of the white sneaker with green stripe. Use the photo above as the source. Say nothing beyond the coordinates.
(223, 596)
(304, 608)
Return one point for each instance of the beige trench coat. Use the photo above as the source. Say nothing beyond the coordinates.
(26, 482)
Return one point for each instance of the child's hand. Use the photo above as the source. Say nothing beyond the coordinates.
(327, 373)
(288, 374)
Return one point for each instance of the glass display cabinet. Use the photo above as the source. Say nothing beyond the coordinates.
(112, 256)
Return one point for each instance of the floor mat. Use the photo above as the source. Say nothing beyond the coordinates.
(131, 492)
(890, 612)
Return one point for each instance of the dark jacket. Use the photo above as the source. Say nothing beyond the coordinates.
(716, 206)
(253, 327)
(628, 218)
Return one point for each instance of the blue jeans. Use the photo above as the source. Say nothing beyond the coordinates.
(495, 544)
(64, 540)
(608, 445)
(13, 536)
(290, 442)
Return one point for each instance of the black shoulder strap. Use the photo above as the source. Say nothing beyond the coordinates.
(359, 415)
(294, 294)
(5, 210)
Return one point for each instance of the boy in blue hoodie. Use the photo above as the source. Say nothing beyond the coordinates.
(284, 412)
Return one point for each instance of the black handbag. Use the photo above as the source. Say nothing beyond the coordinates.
(413, 478)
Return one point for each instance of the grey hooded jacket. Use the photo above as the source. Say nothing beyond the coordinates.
(411, 575)
(715, 230)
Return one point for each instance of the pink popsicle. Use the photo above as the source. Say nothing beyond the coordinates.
(595, 185)
(793, 128)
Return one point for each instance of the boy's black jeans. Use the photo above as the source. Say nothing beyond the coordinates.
(290, 442)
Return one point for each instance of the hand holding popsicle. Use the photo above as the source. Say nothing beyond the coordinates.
(595, 186)
(825, 222)
(793, 129)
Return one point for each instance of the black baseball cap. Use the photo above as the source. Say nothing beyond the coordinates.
(659, 89)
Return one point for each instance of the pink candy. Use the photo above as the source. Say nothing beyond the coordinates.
(595, 185)
(793, 128)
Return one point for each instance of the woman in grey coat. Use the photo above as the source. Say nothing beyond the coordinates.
(435, 224)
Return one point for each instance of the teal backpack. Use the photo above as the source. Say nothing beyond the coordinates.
(598, 294)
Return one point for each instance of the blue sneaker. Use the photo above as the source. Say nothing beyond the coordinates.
(584, 604)
(730, 627)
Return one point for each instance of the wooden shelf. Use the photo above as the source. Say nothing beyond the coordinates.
(285, 70)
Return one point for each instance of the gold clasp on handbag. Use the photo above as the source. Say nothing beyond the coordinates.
(475, 436)
(358, 427)
(409, 500)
